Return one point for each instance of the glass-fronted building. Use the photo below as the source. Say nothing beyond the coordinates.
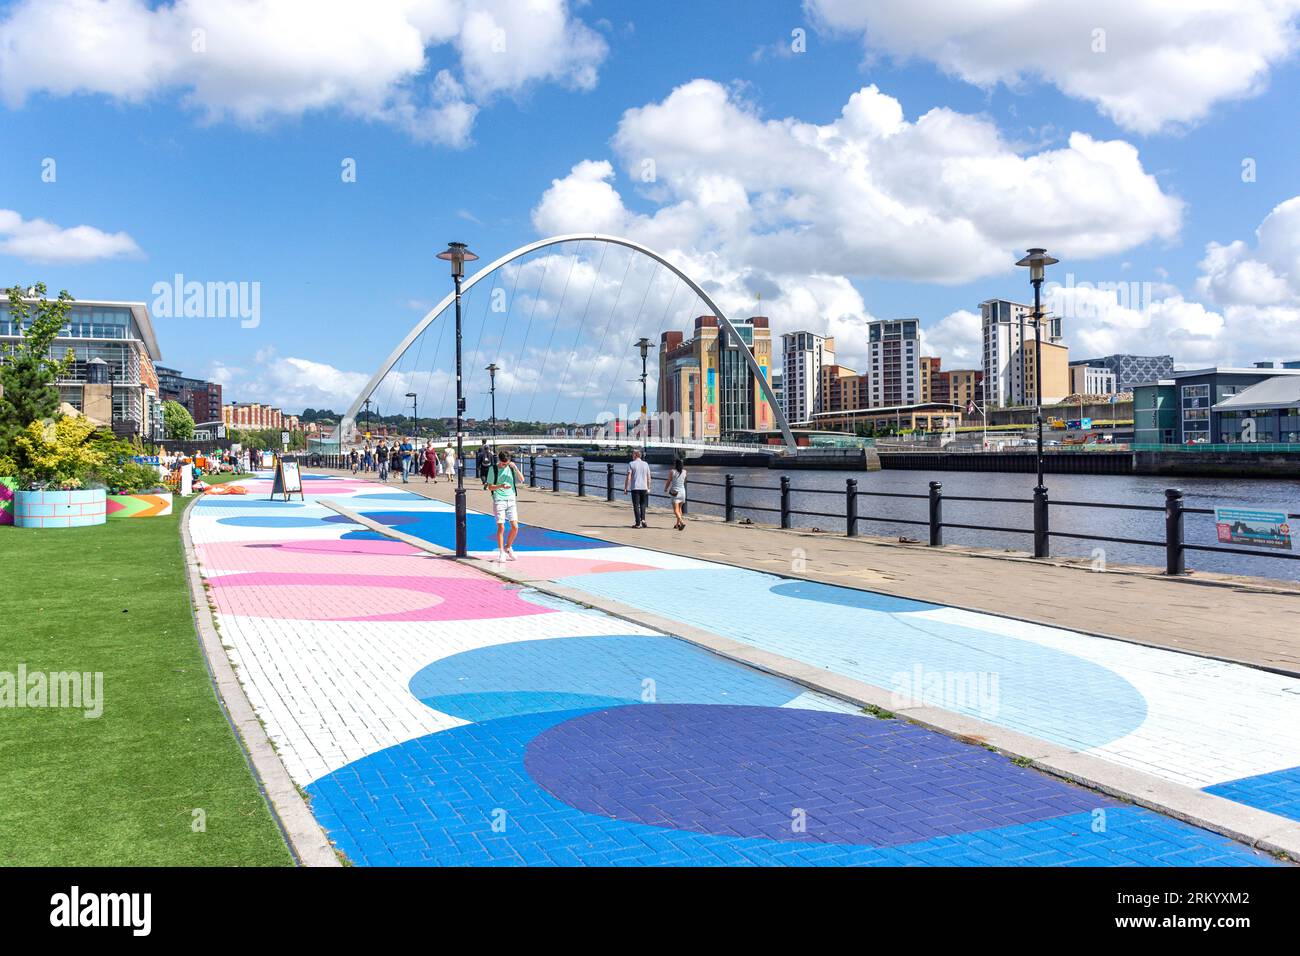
(1267, 412)
(1199, 406)
(121, 335)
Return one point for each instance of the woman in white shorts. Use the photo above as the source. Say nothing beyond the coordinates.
(675, 488)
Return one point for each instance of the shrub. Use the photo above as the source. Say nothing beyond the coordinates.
(57, 455)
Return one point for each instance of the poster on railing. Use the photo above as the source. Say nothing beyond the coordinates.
(1259, 527)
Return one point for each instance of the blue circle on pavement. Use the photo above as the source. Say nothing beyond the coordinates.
(788, 775)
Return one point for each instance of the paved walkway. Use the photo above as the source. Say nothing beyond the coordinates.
(435, 714)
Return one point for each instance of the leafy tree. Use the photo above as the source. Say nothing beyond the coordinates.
(177, 421)
(29, 372)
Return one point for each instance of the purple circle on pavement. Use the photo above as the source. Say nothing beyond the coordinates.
(788, 774)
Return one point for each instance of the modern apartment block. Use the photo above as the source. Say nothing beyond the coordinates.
(706, 389)
(803, 356)
(1009, 354)
(255, 415)
(1132, 370)
(895, 362)
(843, 389)
(121, 388)
(200, 397)
(960, 386)
(931, 366)
(1089, 379)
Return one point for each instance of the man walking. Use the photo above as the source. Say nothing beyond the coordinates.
(502, 480)
(482, 461)
(638, 484)
(408, 451)
(382, 452)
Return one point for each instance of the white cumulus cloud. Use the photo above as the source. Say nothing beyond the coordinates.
(37, 240)
(253, 61)
(1147, 64)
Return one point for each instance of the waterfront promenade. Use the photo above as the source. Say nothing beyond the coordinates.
(436, 713)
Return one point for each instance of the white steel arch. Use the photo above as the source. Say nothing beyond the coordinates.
(348, 424)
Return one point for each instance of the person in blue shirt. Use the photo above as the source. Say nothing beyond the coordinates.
(407, 451)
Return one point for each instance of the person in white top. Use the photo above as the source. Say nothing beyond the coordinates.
(637, 484)
(449, 459)
(675, 488)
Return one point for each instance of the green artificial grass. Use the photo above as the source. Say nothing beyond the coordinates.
(120, 789)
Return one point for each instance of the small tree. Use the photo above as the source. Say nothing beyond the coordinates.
(177, 421)
(30, 371)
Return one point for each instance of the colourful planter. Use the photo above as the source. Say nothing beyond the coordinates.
(59, 509)
(139, 506)
(7, 486)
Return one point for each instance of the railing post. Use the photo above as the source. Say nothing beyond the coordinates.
(851, 507)
(729, 498)
(1175, 556)
(532, 471)
(1041, 548)
(785, 501)
(582, 477)
(609, 481)
(936, 514)
(555, 474)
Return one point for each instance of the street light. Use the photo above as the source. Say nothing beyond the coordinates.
(1037, 262)
(644, 345)
(415, 413)
(457, 253)
(492, 390)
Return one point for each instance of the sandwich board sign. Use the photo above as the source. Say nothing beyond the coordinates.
(287, 480)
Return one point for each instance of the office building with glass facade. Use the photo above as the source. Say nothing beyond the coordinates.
(122, 391)
(1211, 406)
(706, 388)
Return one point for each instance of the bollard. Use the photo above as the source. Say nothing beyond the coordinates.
(532, 471)
(1041, 548)
(609, 482)
(936, 514)
(555, 474)
(1175, 556)
(729, 498)
(582, 477)
(851, 507)
(785, 501)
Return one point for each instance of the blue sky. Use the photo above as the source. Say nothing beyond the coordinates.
(225, 166)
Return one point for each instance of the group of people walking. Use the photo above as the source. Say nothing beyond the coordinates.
(404, 458)
(501, 477)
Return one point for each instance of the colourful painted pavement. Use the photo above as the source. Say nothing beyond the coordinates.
(437, 715)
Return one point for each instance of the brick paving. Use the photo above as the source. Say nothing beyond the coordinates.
(437, 715)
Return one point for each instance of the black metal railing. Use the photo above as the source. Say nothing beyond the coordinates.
(1173, 543)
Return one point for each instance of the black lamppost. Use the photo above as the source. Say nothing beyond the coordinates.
(1037, 262)
(457, 253)
(415, 413)
(492, 390)
(367, 404)
(644, 345)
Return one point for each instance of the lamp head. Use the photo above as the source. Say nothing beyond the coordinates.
(457, 253)
(1037, 262)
